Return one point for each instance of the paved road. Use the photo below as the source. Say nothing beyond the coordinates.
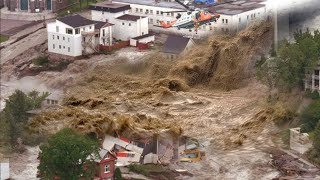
(6, 24)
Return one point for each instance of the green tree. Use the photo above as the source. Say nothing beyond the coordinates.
(310, 116)
(314, 153)
(15, 110)
(69, 156)
(118, 174)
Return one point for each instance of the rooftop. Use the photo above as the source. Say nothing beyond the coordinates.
(110, 7)
(100, 24)
(128, 17)
(237, 7)
(175, 44)
(75, 21)
(142, 36)
(172, 5)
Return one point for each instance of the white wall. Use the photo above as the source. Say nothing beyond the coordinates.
(63, 43)
(4, 170)
(125, 30)
(104, 16)
(108, 35)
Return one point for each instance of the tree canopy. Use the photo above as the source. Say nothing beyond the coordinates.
(69, 156)
(15, 111)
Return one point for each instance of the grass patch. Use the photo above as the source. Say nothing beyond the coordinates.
(40, 61)
(146, 169)
(85, 4)
(3, 38)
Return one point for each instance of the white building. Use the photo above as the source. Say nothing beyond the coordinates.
(130, 26)
(126, 26)
(312, 80)
(75, 35)
(234, 16)
(108, 11)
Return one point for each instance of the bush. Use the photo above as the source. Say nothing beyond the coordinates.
(312, 95)
(138, 169)
(310, 116)
(40, 61)
(118, 174)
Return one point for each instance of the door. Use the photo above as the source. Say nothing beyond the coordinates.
(48, 4)
(24, 5)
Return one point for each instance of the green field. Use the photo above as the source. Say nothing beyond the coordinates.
(3, 38)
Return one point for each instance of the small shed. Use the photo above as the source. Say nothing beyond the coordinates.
(175, 46)
(144, 39)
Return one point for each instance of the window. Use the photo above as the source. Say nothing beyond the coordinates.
(59, 46)
(247, 17)
(226, 21)
(53, 46)
(168, 14)
(48, 101)
(107, 168)
(103, 32)
(172, 14)
(68, 49)
(157, 12)
(151, 11)
(64, 47)
(57, 28)
(102, 12)
(123, 23)
(63, 38)
(69, 31)
(239, 19)
(57, 37)
(142, 33)
(77, 31)
(147, 11)
(222, 20)
(161, 12)
(52, 36)
(137, 10)
(254, 15)
(52, 101)
(141, 10)
(150, 21)
(84, 39)
(68, 39)
(129, 24)
(83, 28)
(90, 27)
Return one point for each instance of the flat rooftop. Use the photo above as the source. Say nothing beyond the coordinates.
(164, 4)
(237, 7)
(110, 7)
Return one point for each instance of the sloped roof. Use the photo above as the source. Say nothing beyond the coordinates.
(128, 17)
(100, 24)
(142, 36)
(110, 7)
(76, 21)
(175, 44)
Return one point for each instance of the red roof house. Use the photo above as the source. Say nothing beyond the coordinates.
(106, 163)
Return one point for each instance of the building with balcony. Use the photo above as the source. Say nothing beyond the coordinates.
(75, 35)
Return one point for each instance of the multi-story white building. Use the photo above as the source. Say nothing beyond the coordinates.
(75, 35)
(130, 26)
(126, 26)
(234, 16)
(312, 80)
(108, 11)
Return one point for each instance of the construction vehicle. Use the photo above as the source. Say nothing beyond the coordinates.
(193, 155)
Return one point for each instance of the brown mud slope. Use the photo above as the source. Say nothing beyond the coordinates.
(227, 61)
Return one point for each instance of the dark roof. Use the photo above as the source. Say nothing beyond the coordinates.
(76, 21)
(128, 17)
(110, 7)
(236, 7)
(100, 24)
(142, 36)
(175, 44)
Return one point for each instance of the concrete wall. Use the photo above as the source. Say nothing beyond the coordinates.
(4, 169)
(299, 142)
(125, 30)
(106, 16)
